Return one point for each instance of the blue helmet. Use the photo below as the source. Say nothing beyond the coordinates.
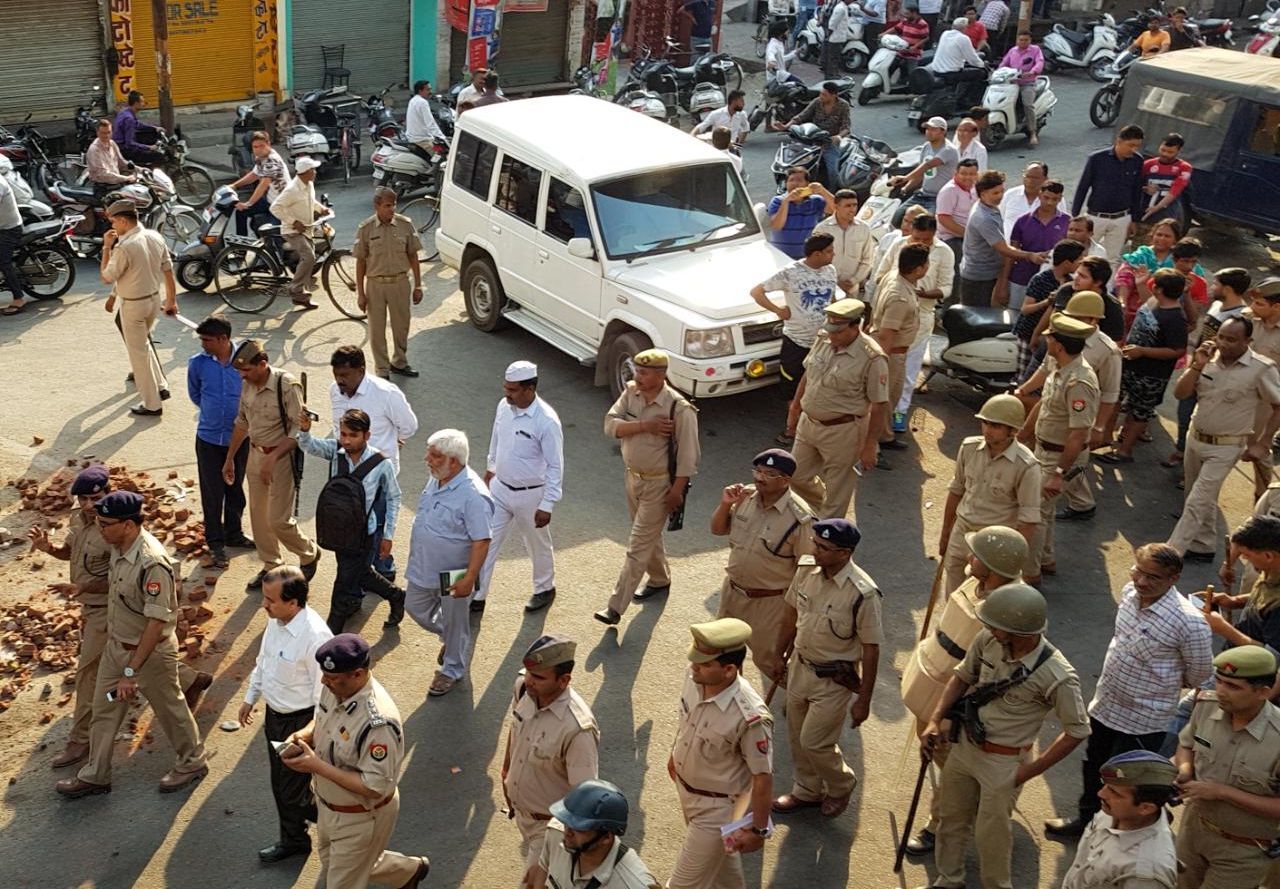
(593, 805)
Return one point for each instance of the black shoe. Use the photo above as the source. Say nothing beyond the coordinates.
(129, 377)
(650, 591)
(1067, 514)
(1192, 555)
(140, 411)
(165, 394)
(397, 610)
(405, 371)
(256, 582)
(240, 542)
(1065, 827)
(477, 606)
(539, 601)
(608, 616)
(424, 868)
(893, 445)
(882, 462)
(922, 843)
(309, 570)
(281, 851)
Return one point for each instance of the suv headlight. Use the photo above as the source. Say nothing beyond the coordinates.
(714, 343)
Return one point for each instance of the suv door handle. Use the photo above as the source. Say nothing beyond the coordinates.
(496, 229)
(542, 254)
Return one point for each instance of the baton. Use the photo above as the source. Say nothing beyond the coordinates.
(786, 657)
(911, 814)
(933, 598)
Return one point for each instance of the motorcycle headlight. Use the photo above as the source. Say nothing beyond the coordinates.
(717, 342)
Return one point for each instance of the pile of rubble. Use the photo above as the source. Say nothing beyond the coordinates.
(33, 637)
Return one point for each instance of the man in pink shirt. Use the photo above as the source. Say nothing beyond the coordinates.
(955, 200)
(1026, 58)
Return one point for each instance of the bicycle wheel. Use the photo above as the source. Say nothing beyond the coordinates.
(346, 158)
(47, 272)
(192, 184)
(339, 278)
(247, 278)
(178, 227)
(424, 212)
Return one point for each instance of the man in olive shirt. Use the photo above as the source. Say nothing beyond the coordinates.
(386, 250)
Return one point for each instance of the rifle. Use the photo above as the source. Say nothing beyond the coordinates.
(675, 521)
(964, 712)
(911, 813)
(786, 659)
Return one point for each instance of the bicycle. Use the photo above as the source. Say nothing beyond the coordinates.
(250, 273)
(349, 143)
(424, 212)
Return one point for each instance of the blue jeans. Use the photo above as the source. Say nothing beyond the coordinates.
(831, 160)
(386, 567)
(802, 18)
(258, 213)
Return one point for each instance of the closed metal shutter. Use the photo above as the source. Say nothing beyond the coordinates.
(532, 50)
(375, 32)
(52, 57)
(210, 52)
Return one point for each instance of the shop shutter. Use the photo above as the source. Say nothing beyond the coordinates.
(52, 57)
(210, 51)
(533, 46)
(376, 35)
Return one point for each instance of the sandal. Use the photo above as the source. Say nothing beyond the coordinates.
(13, 309)
(1115, 458)
(1172, 461)
(441, 685)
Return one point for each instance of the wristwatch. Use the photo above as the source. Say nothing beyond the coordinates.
(128, 672)
(763, 832)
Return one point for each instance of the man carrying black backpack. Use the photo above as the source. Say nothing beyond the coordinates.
(345, 520)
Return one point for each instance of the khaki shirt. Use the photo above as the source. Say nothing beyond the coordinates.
(1069, 400)
(90, 558)
(615, 872)
(138, 263)
(142, 588)
(723, 741)
(553, 749)
(1230, 396)
(1103, 355)
(646, 452)
(1107, 858)
(361, 734)
(844, 382)
(387, 247)
(1248, 759)
(260, 409)
(1014, 719)
(825, 624)
(1266, 340)
(766, 542)
(897, 309)
(996, 489)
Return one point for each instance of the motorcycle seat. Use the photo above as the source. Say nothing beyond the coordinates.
(79, 193)
(37, 230)
(809, 133)
(1075, 37)
(965, 324)
(268, 230)
(1210, 24)
(685, 73)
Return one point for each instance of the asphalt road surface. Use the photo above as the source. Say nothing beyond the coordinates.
(66, 368)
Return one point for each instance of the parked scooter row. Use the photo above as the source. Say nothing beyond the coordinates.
(660, 89)
(811, 38)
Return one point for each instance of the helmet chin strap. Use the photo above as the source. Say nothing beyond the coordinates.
(587, 847)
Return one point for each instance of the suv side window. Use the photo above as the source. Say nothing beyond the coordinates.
(473, 165)
(565, 217)
(518, 185)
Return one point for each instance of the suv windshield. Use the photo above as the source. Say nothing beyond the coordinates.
(672, 209)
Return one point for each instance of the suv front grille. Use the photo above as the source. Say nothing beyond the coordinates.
(753, 334)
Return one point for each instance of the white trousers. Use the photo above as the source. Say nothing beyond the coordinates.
(513, 512)
(1111, 234)
(915, 359)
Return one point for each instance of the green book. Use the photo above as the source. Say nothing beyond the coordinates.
(449, 578)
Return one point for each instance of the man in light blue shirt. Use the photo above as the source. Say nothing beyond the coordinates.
(451, 533)
(346, 456)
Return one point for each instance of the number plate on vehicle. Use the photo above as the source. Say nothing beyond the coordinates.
(377, 175)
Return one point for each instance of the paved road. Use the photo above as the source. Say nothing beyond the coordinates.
(69, 367)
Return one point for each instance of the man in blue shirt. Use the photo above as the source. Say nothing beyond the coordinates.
(702, 13)
(214, 387)
(794, 213)
(355, 569)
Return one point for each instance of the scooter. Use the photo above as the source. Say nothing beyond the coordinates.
(883, 208)
(1267, 41)
(781, 100)
(859, 161)
(1105, 106)
(889, 70)
(944, 95)
(1213, 32)
(1007, 116)
(698, 88)
(328, 129)
(1092, 50)
(382, 122)
(405, 170)
(977, 347)
(194, 266)
(813, 36)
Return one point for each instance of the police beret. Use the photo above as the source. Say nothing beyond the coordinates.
(521, 371)
(1269, 289)
(1064, 325)
(651, 358)
(1245, 662)
(91, 481)
(129, 208)
(838, 532)
(549, 651)
(776, 458)
(343, 653)
(120, 505)
(246, 354)
(717, 637)
(1139, 768)
(848, 308)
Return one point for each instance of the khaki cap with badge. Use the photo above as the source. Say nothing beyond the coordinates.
(717, 637)
(550, 650)
(246, 355)
(1245, 662)
(1268, 289)
(1139, 768)
(848, 308)
(651, 358)
(1064, 325)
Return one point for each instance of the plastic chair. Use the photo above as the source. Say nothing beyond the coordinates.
(334, 73)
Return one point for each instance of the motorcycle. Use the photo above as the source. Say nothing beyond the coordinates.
(859, 160)
(1105, 106)
(1002, 99)
(889, 70)
(781, 100)
(1267, 41)
(29, 208)
(87, 117)
(1213, 32)
(380, 120)
(45, 264)
(153, 195)
(243, 127)
(948, 95)
(813, 36)
(1092, 50)
(192, 183)
(405, 169)
(977, 347)
(327, 131)
(586, 82)
(698, 88)
(194, 266)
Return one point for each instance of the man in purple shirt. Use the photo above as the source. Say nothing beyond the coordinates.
(128, 126)
(1026, 58)
(1037, 231)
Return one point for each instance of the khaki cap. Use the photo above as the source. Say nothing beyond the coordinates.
(1086, 304)
(1269, 288)
(550, 650)
(1064, 325)
(1245, 662)
(1139, 768)
(651, 358)
(848, 308)
(246, 355)
(717, 637)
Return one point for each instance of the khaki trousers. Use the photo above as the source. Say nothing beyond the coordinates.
(158, 681)
(816, 711)
(1205, 468)
(646, 501)
(764, 616)
(1210, 861)
(387, 297)
(1042, 544)
(271, 513)
(897, 382)
(532, 834)
(93, 639)
(137, 317)
(304, 275)
(1079, 492)
(977, 797)
(957, 557)
(824, 476)
(352, 847)
(703, 862)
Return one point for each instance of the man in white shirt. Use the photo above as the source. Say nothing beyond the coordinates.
(524, 472)
(472, 90)
(853, 245)
(837, 36)
(297, 208)
(1017, 202)
(287, 677)
(731, 115)
(776, 57)
(420, 127)
(955, 51)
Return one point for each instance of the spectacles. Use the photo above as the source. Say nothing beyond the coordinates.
(105, 522)
(767, 476)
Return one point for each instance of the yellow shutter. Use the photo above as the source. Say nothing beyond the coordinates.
(210, 50)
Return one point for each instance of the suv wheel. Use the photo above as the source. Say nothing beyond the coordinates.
(482, 293)
(622, 352)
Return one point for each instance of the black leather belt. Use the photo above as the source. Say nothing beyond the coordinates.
(1118, 215)
(949, 645)
(525, 488)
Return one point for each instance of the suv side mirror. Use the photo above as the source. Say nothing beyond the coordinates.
(581, 248)
(762, 216)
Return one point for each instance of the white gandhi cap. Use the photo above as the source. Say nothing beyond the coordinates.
(520, 371)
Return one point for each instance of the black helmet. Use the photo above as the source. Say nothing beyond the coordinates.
(593, 805)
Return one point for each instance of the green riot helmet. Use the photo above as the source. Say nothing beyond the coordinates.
(1015, 608)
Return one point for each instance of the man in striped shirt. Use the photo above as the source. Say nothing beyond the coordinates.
(1161, 646)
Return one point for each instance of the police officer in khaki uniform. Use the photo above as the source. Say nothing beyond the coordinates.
(352, 750)
(583, 850)
(141, 653)
(997, 482)
(1231, 383)
(833, 616)
(981, 779)
(270, 404)
(996, 556)
(650, 418)
(552, 742)
(1229, 775)
(894, 324)
(722, 760)
(1128, 845)
(768, 529)
(386, 249)
(838, 410)
(1061, 423)
(1264, 312)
